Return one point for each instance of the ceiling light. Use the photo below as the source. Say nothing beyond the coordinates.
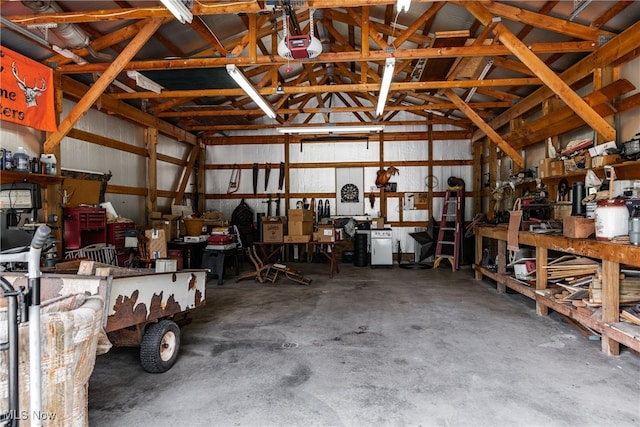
(330, 129)
(389, 66)
(403, 5)
(579, 6)
(145, 82)
(250, 90)
(179, 10)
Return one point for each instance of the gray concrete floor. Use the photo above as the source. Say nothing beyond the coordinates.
(372, 347)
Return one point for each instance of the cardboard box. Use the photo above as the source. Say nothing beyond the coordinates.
(300, 228)
(578, 227)
(557, 168)
(597, 150)
(326, 233)
(157, 243)
(272, 232)
(166, 265)
(544, 167)
(300, 215)
(170, 224)
(377, 223)
(180, 210)
(297, 239)
(609, 159)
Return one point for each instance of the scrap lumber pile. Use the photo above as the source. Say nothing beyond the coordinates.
(573, 275)
(629, 290)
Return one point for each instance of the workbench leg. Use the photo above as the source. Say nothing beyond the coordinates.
(502, 264)
(542, 255)
(610, 303)
(479, 253)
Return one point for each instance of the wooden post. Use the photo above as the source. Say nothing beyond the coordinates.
(430, 166)
(502, 264)
(479, 254)
(477, 177)
(383, 199)
(200, 177)
(151, 141)
(610, 303)
(542, 255)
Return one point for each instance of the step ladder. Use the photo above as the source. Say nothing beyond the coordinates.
(450, 233)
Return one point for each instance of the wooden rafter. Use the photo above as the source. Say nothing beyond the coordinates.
(551, 79)
(492, 134)
(102, 83)
(624, 43)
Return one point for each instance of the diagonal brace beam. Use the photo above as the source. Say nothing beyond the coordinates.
(548, 77)
(102, 83)
(488, 130)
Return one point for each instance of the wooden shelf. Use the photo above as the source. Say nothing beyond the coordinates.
(626, 170)
(612, 256)
(8, 177)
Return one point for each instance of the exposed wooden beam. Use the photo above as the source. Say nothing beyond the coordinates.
(626, 42)
(193, 157)
(492, 134)
(76, 17)
(102, 83)
(350, 56)
(538, 20)
(551, 79)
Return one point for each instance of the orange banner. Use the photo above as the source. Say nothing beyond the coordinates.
(26, 91)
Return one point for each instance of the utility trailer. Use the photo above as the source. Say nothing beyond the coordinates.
(142, 308)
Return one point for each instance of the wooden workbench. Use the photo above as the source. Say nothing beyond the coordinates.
(611, 255)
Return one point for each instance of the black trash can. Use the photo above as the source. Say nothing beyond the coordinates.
(360, 256)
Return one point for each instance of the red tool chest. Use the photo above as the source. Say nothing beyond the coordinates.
(84, 226)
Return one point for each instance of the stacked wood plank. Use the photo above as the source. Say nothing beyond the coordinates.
(570, 268)
(572, 276)
(629, 290)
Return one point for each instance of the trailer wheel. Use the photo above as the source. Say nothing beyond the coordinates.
(159, 346)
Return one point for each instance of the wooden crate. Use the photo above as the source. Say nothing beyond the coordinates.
(578, 227)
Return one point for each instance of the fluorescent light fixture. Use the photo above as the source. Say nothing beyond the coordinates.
(145, 82)
(482, 75)
(303, 130)
(70, 55)
(244, 83)
(403, 5)
(179, 10)
(580, 7)
(389, 66)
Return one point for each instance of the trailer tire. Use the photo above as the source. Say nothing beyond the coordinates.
(159, 346)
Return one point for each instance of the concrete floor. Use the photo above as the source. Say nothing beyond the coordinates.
(371, 347)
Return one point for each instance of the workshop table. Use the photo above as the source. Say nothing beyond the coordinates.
(269, 251)
(214, 257)
(191, 252)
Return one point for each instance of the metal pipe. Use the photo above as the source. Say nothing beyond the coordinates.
(35, 374)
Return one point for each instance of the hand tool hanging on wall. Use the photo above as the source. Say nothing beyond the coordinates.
(278, 205)
(255, 178)
(267, 173)
(234, 181)
(320, 210)
(281, 176)
(327, 209)
(268, 202)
